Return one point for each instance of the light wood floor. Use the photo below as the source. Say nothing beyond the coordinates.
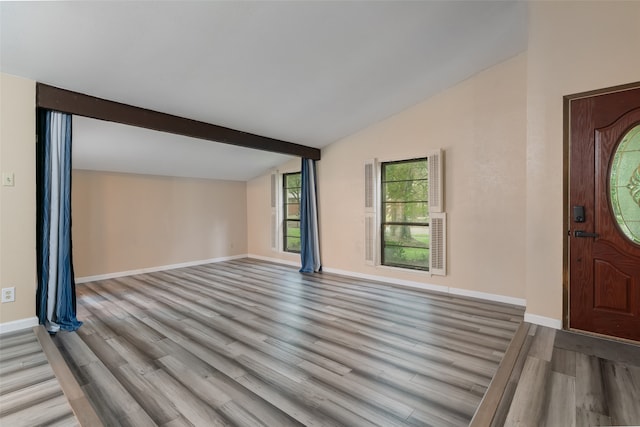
(30, 394)
(252, 343)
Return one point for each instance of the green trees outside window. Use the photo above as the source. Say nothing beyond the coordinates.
(405, 214)
(291, 199)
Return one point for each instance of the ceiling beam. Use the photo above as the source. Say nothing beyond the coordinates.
(79, 104)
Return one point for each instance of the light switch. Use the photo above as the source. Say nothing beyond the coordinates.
(8, 179)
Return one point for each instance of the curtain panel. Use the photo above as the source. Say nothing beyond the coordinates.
(309, 236)
(56, 296)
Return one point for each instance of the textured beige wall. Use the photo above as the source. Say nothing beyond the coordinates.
(481, 125)
(124, 222)
(18, 203)
(573, 47)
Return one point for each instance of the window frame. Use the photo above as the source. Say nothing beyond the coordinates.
(285, 211)
(383, 223)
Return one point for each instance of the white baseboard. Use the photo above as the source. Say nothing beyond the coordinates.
(17, 325)
(419, 285)
(409, 283)
(277, 260)
(154, 269)
(431, 287)
(402, 282)
(549, 322)
(491, 297)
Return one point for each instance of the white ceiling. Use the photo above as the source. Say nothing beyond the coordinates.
(99, 145)
(308, 72)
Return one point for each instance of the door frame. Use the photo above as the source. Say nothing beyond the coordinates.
(566, 168)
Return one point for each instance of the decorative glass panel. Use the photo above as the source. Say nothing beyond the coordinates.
(624, 185)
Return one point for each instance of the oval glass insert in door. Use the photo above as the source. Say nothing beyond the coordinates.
(624, 184)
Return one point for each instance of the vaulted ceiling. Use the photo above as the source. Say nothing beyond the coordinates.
(308, 72)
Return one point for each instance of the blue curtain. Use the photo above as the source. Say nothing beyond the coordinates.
(309, 238)
(56, 293)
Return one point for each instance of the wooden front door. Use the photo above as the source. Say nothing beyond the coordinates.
(604, 210)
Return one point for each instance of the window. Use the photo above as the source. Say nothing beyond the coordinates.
(404, 215)
(405, 224)
(291, 211)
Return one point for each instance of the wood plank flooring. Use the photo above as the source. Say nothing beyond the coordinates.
(251, 343)
(570, 379)
(30, 394)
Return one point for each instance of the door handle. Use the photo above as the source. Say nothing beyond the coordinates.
(582, 233)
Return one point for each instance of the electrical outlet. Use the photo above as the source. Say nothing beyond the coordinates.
(8, 294)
